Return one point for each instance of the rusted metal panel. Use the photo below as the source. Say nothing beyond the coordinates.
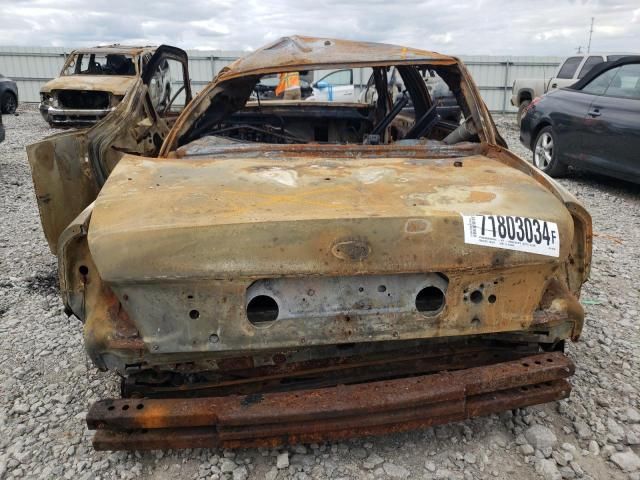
(312, 52)
(337, 412)
(116, 84)
(63, 181)
(307, 204)
(405, 214)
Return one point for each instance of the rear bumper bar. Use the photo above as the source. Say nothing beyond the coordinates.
(335, 413)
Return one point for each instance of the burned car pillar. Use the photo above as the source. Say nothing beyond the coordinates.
(365, 265)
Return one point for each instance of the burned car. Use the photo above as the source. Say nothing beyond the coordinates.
(93, 81)
(291, 271)
(69, 168)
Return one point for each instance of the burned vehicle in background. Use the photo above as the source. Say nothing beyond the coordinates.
(291, 271)
(93, 82)
(69, 168)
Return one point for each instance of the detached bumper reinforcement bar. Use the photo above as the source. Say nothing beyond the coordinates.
(335, 413)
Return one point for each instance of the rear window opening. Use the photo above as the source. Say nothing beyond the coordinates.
(402, 105)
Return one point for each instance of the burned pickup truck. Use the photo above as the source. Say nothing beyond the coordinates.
(93, 81)
(289, 271)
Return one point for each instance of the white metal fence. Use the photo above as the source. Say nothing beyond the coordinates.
(31, 67)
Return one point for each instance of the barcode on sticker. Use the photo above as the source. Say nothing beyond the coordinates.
(512, 233)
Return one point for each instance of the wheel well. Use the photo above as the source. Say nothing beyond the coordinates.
(535, 133)
(525, 96)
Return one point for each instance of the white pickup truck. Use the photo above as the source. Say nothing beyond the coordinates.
(568, 73)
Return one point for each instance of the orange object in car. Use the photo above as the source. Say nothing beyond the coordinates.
(288, 81)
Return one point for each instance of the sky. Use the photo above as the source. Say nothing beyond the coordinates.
(463, 27)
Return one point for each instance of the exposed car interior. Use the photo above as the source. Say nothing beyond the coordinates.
(100, 64)
(403, 112)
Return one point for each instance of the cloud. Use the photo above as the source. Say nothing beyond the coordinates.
(441, 38)
(548, 27)
(554, 34)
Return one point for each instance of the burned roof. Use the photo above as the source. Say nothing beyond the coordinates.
(289, 53)
(117, 49)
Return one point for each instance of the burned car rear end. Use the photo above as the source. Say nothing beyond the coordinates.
(293, 271)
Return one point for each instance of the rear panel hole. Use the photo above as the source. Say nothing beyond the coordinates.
(125, 407)
(262, 309)
(492, 299)
(430, 300)
(194, 314)
(382, 288)
(83, 269)
(140, 406)
(475, 321)
(476, 296)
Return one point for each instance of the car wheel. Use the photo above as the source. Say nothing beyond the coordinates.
(521, 109)
(545, 153)
(8, 103)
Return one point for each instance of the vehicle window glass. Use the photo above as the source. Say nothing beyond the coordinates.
(599, 85)
(569, 68)
(588, 65)
(613, 58)
(626, 83)
(341, 77)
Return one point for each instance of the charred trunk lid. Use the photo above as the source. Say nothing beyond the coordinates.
(256, 216)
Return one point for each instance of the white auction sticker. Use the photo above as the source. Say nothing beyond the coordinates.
(512, 233)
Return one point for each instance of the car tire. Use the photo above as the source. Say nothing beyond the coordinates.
(8, 103)
(521, 109)
(545, 153)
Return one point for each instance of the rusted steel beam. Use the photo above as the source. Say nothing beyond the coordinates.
(325, 403)
(327, 372)
(334, 412)
(208, 437)
(159, 439)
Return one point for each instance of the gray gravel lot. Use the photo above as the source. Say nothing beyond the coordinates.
(47, 382)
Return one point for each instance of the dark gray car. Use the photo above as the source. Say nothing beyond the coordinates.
(592, 125)
(8, 95)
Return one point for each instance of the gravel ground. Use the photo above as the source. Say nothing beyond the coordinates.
(47, 383)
